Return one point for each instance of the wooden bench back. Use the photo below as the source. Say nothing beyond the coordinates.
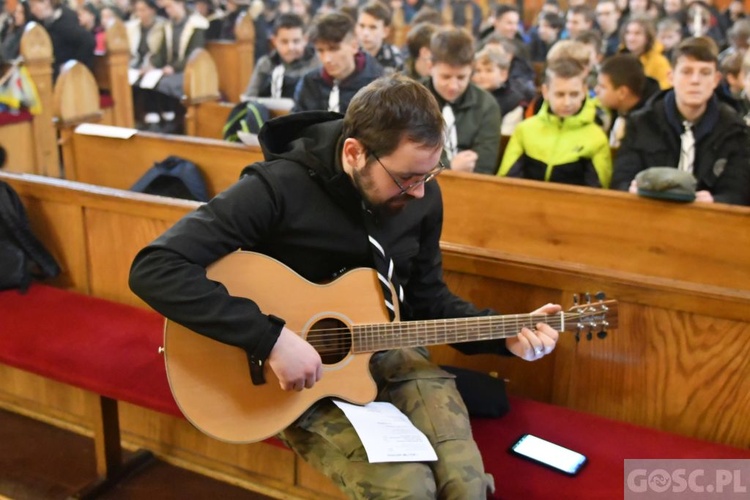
(119, 163)
(235, 59)
(111, 73)
(674, 363)
(94, 232)
(206, 114)
(33, 148)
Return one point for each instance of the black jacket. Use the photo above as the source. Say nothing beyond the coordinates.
(69, 39)
(314, 87)
(722, 148)
(300, 208)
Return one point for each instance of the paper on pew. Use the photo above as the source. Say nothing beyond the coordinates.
(278, 103)
(151, 78)
(133, 75)
(105, 131)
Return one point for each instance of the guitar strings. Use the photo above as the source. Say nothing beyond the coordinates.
(373, 337)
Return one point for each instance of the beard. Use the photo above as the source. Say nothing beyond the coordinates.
(366, 186)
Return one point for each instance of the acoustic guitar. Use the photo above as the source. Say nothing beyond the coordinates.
(346, 321)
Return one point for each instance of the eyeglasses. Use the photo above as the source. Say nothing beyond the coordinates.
(425, 178)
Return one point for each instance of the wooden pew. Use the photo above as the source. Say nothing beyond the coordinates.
(111, 73)
(119, 163)
(206, 114)
(514, 244)
(675, 362)
(235, 58)
(31, 145)
(95, 232)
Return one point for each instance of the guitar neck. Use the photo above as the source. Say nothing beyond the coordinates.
(384, 336)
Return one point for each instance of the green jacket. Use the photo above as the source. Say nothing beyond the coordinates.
(477, 125)
(571, 150)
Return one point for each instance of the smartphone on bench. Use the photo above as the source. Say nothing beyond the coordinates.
(549, 454)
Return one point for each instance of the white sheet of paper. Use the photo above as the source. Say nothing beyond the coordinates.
(151, 78)
(133, 75)
(248, 139)
(281, 103)
(387, 434)
(105, 131)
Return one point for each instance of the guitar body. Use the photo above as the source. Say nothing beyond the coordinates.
(211, 381)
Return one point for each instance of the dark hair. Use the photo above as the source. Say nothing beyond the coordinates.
(452, 46)
(701, 48)
(378, 10)
(503, 9)
(151, 4)
(332, 27)
(419, 36)
(555, 21)
(590, 37)
(91, 8)
(427, 14)
(586, 11)
(563, 68)
(27, 15)
(732, 63)
(625, 70)
(392, 109)
(115, 10)
(288, 20)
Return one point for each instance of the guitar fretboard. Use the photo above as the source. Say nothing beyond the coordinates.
(383, 336)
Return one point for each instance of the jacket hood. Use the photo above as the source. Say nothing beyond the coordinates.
(312, 140)
(304, 138)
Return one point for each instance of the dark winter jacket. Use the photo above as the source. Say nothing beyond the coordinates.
(302, 209)
(69, 39)
(722, 148)
(314, 88)
(477, 125)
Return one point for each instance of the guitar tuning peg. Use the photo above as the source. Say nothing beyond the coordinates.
(579, 327)
(602, 334)
(589, 335)
(601, 296)
(588, 298)
(575, 299)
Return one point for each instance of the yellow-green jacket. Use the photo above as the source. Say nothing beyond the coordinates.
(572, 150)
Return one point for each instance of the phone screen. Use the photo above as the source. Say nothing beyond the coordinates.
(548, 453)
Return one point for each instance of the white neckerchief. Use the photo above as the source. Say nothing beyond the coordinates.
(617, 132)
(451, 137)
(277, 81)
(687, 149)
(333, 99)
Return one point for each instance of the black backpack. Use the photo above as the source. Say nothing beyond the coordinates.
(247, 117)
(22, 256)
(174, 177)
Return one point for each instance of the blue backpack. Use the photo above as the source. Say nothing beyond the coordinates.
(174, 177)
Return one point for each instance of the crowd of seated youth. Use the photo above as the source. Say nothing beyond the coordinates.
(591, 96)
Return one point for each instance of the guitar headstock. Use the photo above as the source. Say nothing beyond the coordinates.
(592, 316)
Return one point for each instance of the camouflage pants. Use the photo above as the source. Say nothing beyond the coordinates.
(325, 439)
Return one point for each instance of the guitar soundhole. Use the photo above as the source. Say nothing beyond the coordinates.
(332, 339)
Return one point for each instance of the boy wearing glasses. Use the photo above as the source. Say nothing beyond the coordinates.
(328, 187)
